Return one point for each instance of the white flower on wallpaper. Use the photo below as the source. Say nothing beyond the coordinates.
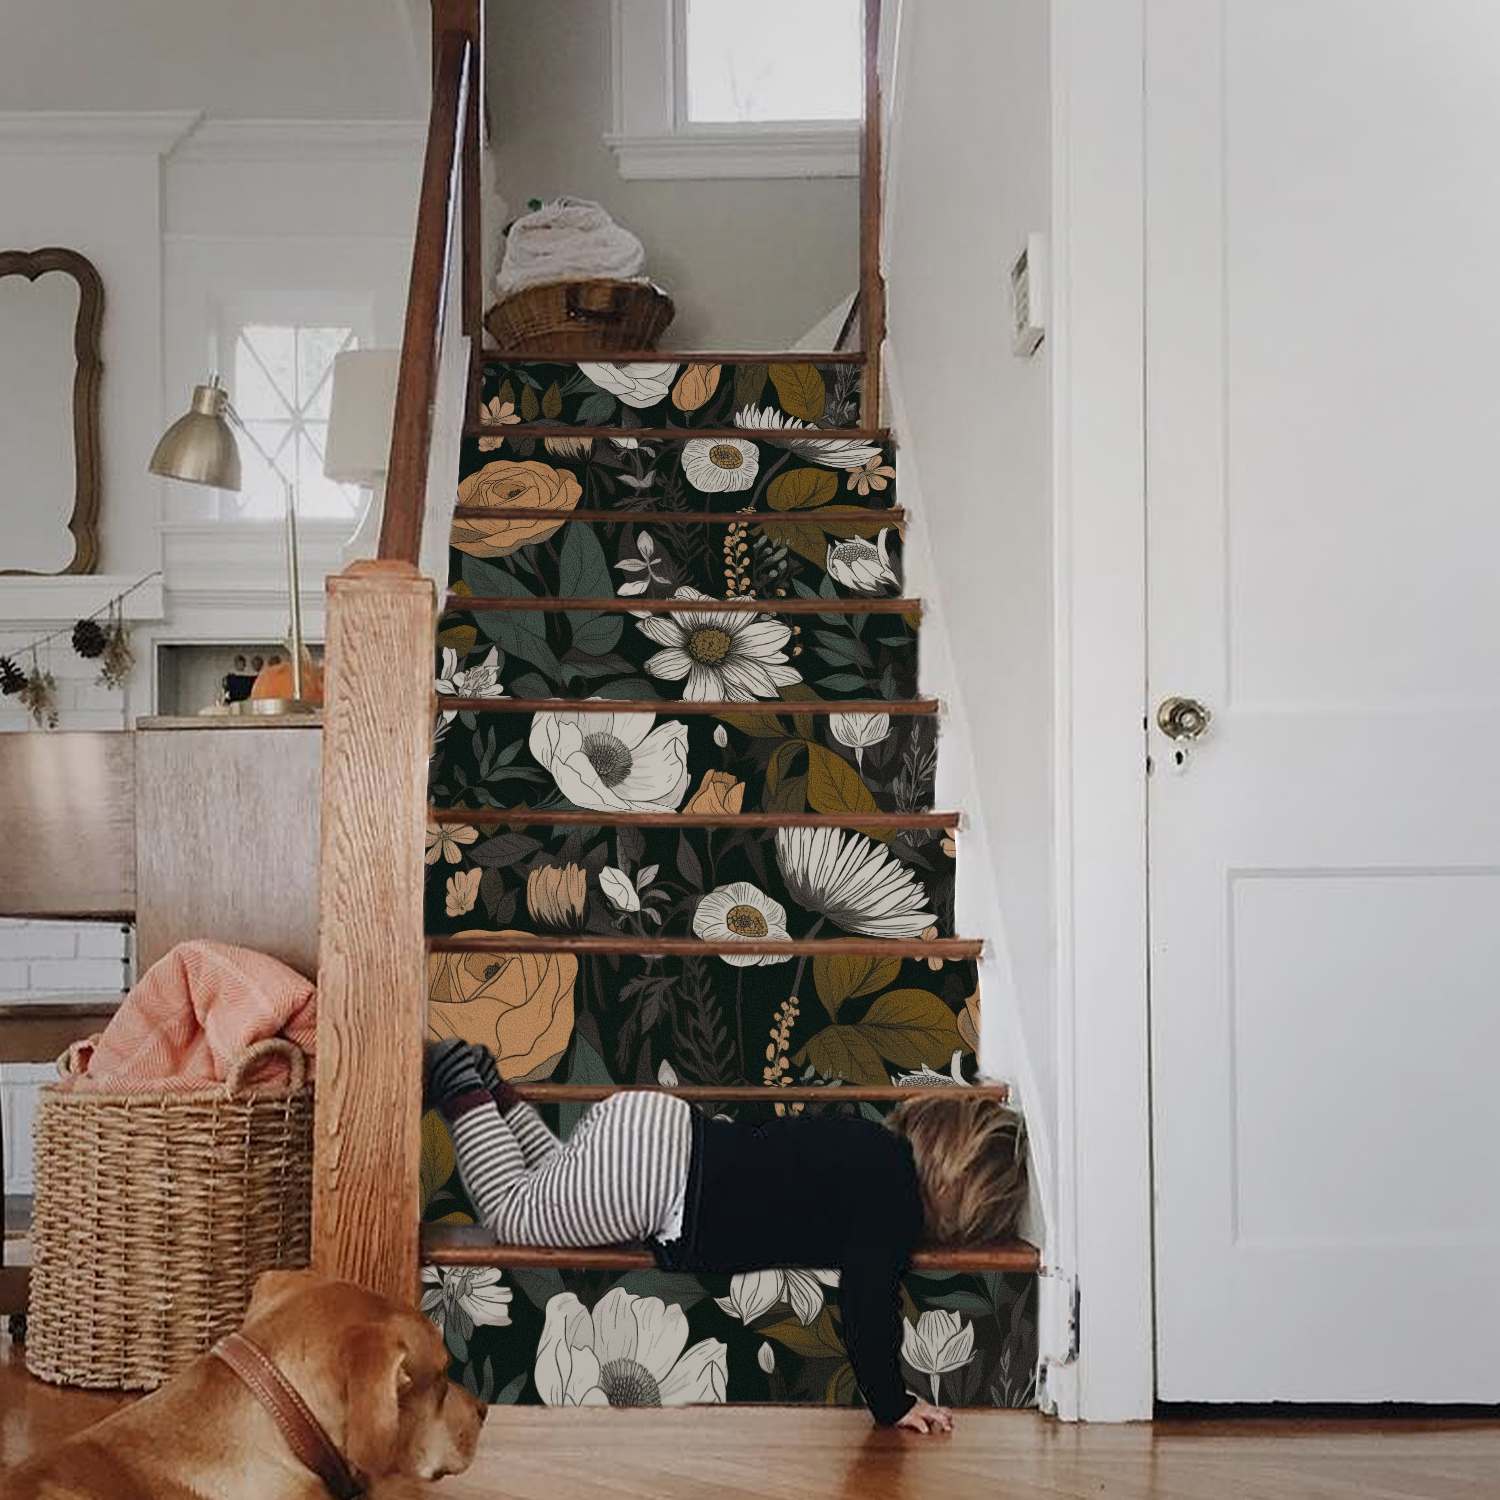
(862, 565)
(755, 1292)
(858, 732)
(629, 1351)
(856, 883)
(737, 913)
(832, 453)
(482, 680)
(720, 465)
(613, 762)
(636, 385)
(619, 890)
(938, 1343)
(460, 1299)
(723, 655)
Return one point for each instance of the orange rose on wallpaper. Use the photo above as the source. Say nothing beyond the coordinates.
(717, 793)
(515, 486)
(968, 1023)
(697, 384)
(519, 1005)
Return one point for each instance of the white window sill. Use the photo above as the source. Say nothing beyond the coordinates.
(738, 153)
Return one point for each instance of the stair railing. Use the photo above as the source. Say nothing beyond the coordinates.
(378, 714)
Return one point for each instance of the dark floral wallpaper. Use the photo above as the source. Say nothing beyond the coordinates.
(794, 516)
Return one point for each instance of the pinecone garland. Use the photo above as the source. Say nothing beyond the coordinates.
(12, 678)
(89, 639)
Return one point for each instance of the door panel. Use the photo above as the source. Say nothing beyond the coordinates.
(1323, 439)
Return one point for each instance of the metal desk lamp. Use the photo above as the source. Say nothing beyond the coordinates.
(200, 448)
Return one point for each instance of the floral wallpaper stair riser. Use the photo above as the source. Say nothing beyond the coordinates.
(814, 530)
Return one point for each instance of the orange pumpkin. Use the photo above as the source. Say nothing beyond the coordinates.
(275, 681)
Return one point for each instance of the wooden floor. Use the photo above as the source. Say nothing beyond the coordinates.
(795, 1453)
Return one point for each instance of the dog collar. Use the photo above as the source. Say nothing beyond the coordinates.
(301, 1429)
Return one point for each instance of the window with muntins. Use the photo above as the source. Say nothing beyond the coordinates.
(282, 386)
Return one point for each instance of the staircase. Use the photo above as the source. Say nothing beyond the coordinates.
(682, 829)
(674, 827)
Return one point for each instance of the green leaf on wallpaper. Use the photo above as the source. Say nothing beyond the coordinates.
(582, 568)
(817, 1340)
(437, 1156)
(801, 489)
(684, 1291)
(530, 406)
(806, 541)
(912, 1028)
(842, 1388)
(538, 1287)
(506, 395)
(552, 403)
(842, 977)
(596, 410)
(586, 1066)
(749, 382)
(460, 638)
(834, 786)
(800, 389)
(970, 1304)
(844, 1052)
(511, 1393)
(786, 782)
(520, 633)
(593, 633)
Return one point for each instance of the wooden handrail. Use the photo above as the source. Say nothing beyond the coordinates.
(453, 81)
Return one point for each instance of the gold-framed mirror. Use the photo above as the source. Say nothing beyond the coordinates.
(51, 308)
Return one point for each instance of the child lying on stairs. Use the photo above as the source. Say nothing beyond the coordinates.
(825, 1191)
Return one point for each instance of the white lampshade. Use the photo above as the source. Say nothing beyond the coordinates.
(359, 425)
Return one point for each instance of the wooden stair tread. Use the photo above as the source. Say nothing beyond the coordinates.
(692, 947)
(749, 1093)
(878, 435)
(472, 1245)
(848, 515)
(551, 603)
(717, 708)
(494, 356)
(523, 817)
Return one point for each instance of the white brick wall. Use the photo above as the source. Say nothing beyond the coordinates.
(38, 959)
(42, 958)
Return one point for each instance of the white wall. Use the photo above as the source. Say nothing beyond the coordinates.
(751, 264)
(969, 173)
(254, 59)
(224, 151)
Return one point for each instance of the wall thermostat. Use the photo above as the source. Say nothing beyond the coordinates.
(1028, 296)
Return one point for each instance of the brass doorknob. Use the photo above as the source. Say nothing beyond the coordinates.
(1182, 718)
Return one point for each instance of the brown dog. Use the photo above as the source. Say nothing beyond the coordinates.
(372, 1373)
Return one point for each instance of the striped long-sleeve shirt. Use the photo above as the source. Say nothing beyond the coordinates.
(621, 1176)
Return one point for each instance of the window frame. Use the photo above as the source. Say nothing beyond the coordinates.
(652, 139)
(286, 309)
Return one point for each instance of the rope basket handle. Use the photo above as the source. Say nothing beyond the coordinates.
(75, 1061)
(255, 1054)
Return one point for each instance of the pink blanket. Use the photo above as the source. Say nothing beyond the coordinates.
(191, 1015)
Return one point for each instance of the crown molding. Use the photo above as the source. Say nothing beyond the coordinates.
(94, 133)
(297, 140)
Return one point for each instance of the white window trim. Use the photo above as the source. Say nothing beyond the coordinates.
(652, 140)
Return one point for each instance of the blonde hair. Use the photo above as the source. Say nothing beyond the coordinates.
(970, 1152)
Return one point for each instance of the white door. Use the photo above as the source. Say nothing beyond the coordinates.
(1323, 473)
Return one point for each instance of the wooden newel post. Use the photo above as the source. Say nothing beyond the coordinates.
(372, 979)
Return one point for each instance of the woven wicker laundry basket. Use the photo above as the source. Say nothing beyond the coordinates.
(155, 1213)
(581, 317)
